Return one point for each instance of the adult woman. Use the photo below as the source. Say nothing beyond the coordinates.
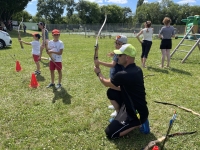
(166, 33)
(146, 41)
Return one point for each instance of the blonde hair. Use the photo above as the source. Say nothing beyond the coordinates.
(166, 20)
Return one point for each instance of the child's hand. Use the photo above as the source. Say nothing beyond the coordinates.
(49, 51)
(111, 54)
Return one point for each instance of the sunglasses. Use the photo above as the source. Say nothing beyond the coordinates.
(121, 55)
(119, 43)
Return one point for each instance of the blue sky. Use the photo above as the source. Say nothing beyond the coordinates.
(32, 8)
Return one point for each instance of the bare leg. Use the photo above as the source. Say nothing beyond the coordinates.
(59, 76)
(38, 66)
(41, 49)
(144, 62)
(168, 56)
(52, 76)
(128, 130)
(163, 57)
(115, 104)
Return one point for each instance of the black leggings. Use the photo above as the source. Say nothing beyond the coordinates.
(146, 46)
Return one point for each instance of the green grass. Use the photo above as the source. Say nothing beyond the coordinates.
(76, 116)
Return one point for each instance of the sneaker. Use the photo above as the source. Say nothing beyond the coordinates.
(111, 107)
(114, 114)
(145, 127)
(50, 85)
(58, 86)
(111, 119)
(37, 72)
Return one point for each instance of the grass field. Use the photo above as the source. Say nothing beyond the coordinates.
(75, 117)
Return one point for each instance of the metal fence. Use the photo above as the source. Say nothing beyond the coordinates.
(108, 29)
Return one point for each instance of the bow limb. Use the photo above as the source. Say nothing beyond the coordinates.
(161, 139)
(152, 143)
(184, 108)
(19, 37)
(96, 44)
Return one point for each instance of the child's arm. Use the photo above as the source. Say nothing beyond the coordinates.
(58, 53)
(27, 43)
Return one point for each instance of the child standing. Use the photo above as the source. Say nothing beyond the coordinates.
(55, 50)
(35, 50)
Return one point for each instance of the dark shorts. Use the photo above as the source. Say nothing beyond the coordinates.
(146, 46)
(166, 44)
(115, 95)
(121, 121)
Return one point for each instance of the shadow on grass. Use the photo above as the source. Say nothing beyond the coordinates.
(134, 140)
(61, 94)
(40, 78)
(6, 48)
(181, 71)
(162, 70)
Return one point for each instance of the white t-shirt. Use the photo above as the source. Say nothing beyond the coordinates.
(56, 47)
(147, 34)
(35, 47)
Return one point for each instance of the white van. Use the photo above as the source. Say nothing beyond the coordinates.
(5, 39)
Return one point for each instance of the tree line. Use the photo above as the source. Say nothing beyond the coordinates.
(85, 12)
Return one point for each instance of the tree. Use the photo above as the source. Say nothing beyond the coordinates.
(18, 16)
(115, 13)
(70, 7)
(51, 10)
(89, 12)
(139, 3)
(10, 7)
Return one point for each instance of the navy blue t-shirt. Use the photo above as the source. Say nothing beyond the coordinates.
(131, 79)
(116, 68)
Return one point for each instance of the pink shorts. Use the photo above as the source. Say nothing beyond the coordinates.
(36, 58)
(55, 65)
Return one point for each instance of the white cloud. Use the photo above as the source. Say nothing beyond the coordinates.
(97, 1)
(117, 1)
(186, 1)
(145, 1)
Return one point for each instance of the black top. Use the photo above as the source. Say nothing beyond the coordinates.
(132, 80)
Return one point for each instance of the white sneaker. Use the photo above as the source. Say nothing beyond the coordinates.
(111, 107)
(114, 114)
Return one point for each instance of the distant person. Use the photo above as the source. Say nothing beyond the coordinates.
(166, 33)
(45, 36)
(24, 27)
(35, 50)
(146, 41)
(55, 49)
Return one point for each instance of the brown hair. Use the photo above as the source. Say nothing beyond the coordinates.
(148, 23)
(166, 20)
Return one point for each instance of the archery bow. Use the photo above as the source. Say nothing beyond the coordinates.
(186, 109)
(19, 37)
(96, 44)
(169, 128)
(159, 140)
